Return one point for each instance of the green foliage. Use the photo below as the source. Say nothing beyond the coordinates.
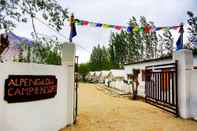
(192, 21)
(192, 29)
(43, 51)
(165, 43)
(194, 51)
(53, 58)
(12, 11)
(83, 70)
(133, 46)
(117, 49)
(99, 59)
(133, 40)
(149, 40)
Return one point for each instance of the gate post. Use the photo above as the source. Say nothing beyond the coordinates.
(68, 59)
(185, 63)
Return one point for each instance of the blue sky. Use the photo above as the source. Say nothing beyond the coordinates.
(161, 12)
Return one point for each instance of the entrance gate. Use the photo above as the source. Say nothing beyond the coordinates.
(161, 86)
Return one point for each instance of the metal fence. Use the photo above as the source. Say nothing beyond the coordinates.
(161, 86)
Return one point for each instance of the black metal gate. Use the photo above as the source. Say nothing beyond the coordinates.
(161, 86)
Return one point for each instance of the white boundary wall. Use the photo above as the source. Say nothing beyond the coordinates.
(193, 94)
(187, 80)
(129, 70)
(42, 115)
(120, 85)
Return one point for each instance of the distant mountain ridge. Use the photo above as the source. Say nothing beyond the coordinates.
(14, 48)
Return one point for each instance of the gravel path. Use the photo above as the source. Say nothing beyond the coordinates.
(101, 110)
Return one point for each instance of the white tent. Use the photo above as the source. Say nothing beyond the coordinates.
(97, 75)
(90, 76)
(103, 76)
(116, 74)
(115, 80)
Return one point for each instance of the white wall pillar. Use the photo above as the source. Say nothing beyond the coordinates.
(193, 95)
(185, 64)
(68, 59)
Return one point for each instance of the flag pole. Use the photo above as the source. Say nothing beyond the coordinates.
(70, 20)
(73, 31)
(181, 31)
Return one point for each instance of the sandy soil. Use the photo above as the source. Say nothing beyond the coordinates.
(100, 110)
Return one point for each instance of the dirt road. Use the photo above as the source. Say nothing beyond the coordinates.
(99, 110)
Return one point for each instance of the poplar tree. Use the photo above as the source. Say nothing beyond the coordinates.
(192, 30)
(168, 42)
(134, 42)
(148, 48)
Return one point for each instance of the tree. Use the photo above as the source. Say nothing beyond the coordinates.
(48, 51)
(125, 47)
(133, 40)
(192, 29)
(4, 43)
(118, 49)
(149, 39)
(13, 11)
(16, 11)
(192, 21)
(160, 45)
(106, 61)
(154, 40)
(137, 45)
(83, 70)
(99, 59)
(43, 51)
(168, 42)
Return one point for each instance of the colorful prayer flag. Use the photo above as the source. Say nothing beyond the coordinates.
(153, 29)
(141, 29)
(136, 29)
(106, 26)
(175, 27)
(92, 24)
(85, 22)
(117, 27)
(158, 28)
(129, 29)
(78, 22)
(179, 44)
(147, 29)
(98, 25)
(73, 31)
(166, 29)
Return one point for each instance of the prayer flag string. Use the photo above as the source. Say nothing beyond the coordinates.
(145, 29)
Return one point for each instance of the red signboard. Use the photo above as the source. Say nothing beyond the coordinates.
(23, 88)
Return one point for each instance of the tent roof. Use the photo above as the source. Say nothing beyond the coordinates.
(104, 73)
(91, 72)
(117, 73)
(97, 73)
